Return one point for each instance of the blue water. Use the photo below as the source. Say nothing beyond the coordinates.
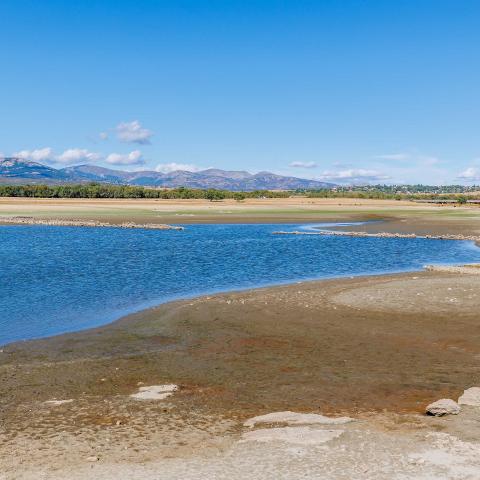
(59, 279)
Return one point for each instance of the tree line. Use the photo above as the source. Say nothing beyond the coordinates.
(100, 190)
(97, 190)
(382, 195)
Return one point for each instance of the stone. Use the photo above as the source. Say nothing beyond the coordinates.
(444, 406)
(471, 397)
(155, 392)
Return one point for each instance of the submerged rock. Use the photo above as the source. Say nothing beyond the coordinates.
(444, 406)
(471, 397)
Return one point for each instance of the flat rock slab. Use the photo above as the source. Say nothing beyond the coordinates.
(471, 397)
(293, 435)
(293, 418)
(56, 403)
(155, 392)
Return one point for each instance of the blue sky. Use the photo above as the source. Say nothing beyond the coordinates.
(342, 90)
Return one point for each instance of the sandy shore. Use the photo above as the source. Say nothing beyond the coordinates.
(377, 349)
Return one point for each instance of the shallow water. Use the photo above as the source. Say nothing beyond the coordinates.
(59, 279)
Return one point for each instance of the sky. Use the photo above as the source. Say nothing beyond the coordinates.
(347, 91)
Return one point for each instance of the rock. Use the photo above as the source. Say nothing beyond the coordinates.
(293, 418)
(444, 406)
(56, 403)
(292, 435)
(155, 392)
(471, 397)
(92, 459)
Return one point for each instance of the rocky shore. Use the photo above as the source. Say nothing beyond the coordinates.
(473, 238)
(17, 220)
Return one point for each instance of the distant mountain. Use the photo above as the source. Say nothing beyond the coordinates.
(16, 170)
(92, 173)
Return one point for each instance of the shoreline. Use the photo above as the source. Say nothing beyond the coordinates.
(469, 268)
(364, 347)
(464, 269)
(154, 304)
(132, 320)
(20, 220)
(368, 347)
(473, 238)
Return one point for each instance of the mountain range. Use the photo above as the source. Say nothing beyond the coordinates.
(19, 171)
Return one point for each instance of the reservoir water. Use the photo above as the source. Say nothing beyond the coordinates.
(60, 279)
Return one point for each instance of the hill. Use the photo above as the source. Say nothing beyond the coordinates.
(17, 171)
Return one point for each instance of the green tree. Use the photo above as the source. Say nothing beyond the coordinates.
(214, 195)
(239, 196)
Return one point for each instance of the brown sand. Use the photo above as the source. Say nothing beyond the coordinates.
(342, 346)
(328, 347)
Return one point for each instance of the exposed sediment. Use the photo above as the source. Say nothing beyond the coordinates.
(472, 269)
(447, 236)
(309, 353)
(17, 220)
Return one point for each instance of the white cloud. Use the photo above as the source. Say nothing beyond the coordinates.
(172, 167)
(103, 135)
(342, 165)
(303, 164)
(428, 160)
(37, 155)
(77, 155)
(73, 156)
(393, 156)
(132, 158)
(471, 174)
(69, 156)
(133, 132)
(353, 176)
(414, 157)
